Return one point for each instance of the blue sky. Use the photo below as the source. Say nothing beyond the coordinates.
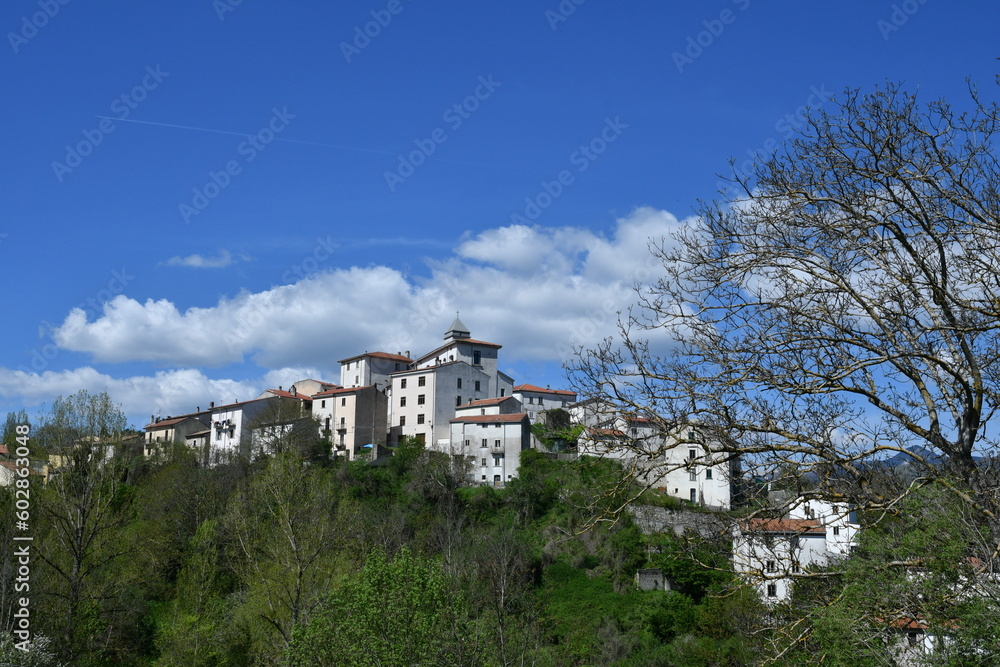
(203, 199)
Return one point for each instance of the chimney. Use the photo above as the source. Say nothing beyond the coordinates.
(279, 387)
(197, 409)
(294, 393)
(211, 405)
(152, 419)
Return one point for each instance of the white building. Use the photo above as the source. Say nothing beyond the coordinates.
(372, 368)
(537, 400)
(424, 397)
(686, 462)
(270, 416)
(771, 553)
(491, 443)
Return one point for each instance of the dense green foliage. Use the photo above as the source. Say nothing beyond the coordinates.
(299, 560)
(295, 560)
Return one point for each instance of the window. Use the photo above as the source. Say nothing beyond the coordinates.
(322, 404)
(343, 402)
(420, 418)
(402, 420)
(421, 399)
(496, 460)
(478, 388)
(341, 421)
(771, 566)
(467, 443)
(708, 473)
(541, 400)
(496, 426)
(484, 463)
(836, 530)
(422, 380)
(458, 401)
(459, 383)
(692, 476)
(691, 455)
(402, 401)
(772, 590)
(496, 443)
(694, 495)
(477, 358)
(402, 383)
(484, 478)
(531, 400)
(795, 567)
(483, 444)
(355, 380)
(502, 392)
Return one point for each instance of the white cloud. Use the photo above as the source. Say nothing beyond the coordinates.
(224, 259)
(537, 291)
(167, 392)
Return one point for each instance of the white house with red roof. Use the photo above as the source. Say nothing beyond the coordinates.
(242, 428)
(771, 553)
(537, 400)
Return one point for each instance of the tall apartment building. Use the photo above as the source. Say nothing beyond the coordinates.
(424, 397)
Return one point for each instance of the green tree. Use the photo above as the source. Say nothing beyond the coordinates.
(925, 569)
(397, 612)
(82, 513)
(286, 530)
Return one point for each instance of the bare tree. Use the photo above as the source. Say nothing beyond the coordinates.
(837, 324)
(842, 312)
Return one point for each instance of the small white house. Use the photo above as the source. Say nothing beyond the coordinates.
(772, 552)
(492, 444)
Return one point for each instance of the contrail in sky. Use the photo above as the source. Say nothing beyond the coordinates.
(243, 134)
(298, 141)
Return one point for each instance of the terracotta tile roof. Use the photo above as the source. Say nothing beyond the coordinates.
(606, 432)
(794, 526)
(543, 390)
(4, 451)
(378, 355)
(198, 434)
(490, 419)
(164, 423)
